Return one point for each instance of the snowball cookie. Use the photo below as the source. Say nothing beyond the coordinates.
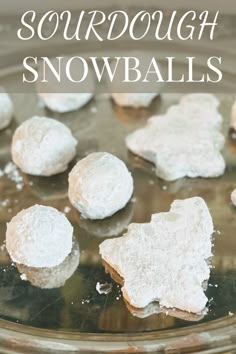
(43, 146)
(135, 100)
(6, 110)
(70, 99)
(100, 185)
(65, 102)
(39, 236)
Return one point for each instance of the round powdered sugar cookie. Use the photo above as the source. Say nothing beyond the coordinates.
(39, 236)
(134, 99)
(6, 110)
(65, 102)
(69, 99)
(43, 146)
(100, 185)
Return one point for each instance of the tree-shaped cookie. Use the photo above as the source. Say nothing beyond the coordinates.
(165, 260)
(186, 141)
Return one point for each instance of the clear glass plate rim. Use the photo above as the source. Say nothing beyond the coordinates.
(226, 321)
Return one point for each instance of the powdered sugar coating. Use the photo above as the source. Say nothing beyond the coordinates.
(100, 185)
(134, 99)
(165, 260)
(65, 102)
(39, 236)
(6, 110)
(195, 115)
(186, 141)
(43, 146)
(206, 100)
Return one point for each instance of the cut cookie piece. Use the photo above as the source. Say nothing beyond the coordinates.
(100, 185)
(65, 102)
(39, 236)
(233, 197)
(6, 110)
(154, 308)
(184, 142)
(43, 146)
(134, 99)
(179, 151)
(165, 260)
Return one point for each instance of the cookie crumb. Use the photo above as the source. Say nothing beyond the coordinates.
(94, 110)
(104, 288)
(23, 277)
(67, 210)
(3, 247)
(4, 203)
(12, 173)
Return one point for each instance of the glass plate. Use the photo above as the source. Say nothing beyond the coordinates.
(75, 317)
